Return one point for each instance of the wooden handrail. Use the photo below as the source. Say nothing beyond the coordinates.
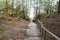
(58, 38)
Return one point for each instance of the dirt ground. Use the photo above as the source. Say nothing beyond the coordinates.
(15, 28)
(52, 24)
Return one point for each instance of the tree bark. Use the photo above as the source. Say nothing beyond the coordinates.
(6, 7)
(59, 7)
(12, 7)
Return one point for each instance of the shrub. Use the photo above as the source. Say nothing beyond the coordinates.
(2, 32)
(44, 15)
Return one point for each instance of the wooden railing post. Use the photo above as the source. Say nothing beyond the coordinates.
(44, 31)
(44, 35)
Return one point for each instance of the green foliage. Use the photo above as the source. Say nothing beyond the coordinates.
(38, 16)
(21, 9)
(45, 15)
(2, 28)
(9, 10)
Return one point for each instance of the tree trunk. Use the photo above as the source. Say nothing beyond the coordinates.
(23, 9)
(6, 7)
(12, 7)
(59, 7)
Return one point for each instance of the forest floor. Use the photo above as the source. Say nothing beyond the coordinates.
(52, 24)
(15, 28)
(19, 29)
